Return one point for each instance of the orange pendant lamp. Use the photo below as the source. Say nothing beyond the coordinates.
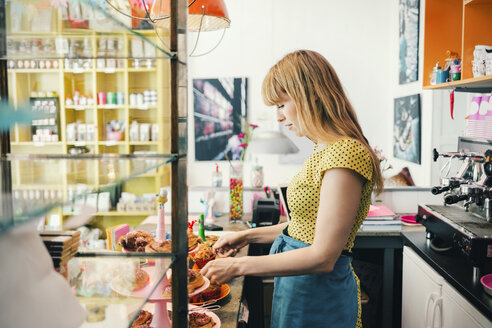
(203, 15)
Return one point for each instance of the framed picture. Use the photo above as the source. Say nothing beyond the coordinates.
(409, 41)
(407, 129)
(220, 110)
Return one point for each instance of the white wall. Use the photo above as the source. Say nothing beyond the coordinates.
(356, 36)
(360, 39)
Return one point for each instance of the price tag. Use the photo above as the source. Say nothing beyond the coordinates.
(79, 108)
(111, 143)
(143, 107)
(78, 70)
(80, 144)
(110, 106)
(110, 70)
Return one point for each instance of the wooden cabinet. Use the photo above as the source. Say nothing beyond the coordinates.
(429, 301)
(458, 26)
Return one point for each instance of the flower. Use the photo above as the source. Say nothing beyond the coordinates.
(244, 138)
(383, 161)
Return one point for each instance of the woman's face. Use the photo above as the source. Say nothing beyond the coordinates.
(287, 115)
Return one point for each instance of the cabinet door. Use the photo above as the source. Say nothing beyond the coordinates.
(457, 312)
(421, 288)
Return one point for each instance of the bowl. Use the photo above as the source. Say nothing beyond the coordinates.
(487, 283)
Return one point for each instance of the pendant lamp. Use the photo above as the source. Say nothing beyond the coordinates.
(203, 15)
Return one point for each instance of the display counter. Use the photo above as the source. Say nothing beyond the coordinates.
(230, 305)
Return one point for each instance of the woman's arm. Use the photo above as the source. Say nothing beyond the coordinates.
(339, 201)
(229, 244)
(264, 235)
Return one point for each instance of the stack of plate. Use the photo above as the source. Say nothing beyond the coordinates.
(62, 246)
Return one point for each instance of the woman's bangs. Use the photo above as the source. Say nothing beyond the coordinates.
(272, 91)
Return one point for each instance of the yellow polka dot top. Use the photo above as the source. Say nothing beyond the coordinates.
(304, 190)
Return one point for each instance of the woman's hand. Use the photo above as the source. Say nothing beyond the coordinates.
(229, 244)
(221, 270)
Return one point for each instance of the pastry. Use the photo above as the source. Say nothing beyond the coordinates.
(200, 320)
(158, 247)
(143, 320)
(193, 241)
(195, 281)
(203, 255)
(211, 293)
(135, 241)
(141, 279)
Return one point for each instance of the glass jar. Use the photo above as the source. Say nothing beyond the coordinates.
(257, 176)
(236, 192)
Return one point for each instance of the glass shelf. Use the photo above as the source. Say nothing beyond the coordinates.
(113, 290)
(41, 183)
(79, 31)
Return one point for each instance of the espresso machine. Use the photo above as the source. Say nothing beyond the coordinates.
(464, 220)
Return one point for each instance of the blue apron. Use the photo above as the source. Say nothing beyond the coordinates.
(314, 300)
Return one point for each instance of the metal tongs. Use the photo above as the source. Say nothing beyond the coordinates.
(207, 305)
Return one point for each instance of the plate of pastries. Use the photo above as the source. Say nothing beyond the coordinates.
(214, 292)
(197, 318)
(142, 241)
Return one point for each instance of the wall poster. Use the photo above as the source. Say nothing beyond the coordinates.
(220, 110)
(407, 129)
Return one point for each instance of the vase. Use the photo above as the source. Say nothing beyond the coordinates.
(236, 192)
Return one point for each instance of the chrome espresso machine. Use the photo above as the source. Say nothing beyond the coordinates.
(464, 221)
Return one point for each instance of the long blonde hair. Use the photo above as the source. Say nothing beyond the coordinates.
(322, 106)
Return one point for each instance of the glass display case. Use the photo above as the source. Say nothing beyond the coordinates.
(67, 150)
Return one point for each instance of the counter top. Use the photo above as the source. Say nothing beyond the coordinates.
(228, 313)
(455, 269)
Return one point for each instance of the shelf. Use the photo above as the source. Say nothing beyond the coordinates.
(143, 107)
(143, 143)
(43, 169)
(36, 144)
(110, 70)
(110, 106)
(34, 71)
(142, 70)
(477, 2)
(79, 107)
(110, 143)
(105, 281)
(477, 84)
(115, 213)
(81, 143)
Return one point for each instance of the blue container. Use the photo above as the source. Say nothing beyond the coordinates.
(442, 76)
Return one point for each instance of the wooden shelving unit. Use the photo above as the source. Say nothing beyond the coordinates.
(458, 26)
(89, 81)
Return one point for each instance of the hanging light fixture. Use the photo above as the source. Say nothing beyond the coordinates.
(203, 15)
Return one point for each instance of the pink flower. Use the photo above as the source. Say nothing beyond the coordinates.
(241, 135)
(243, 145)
(254, 126)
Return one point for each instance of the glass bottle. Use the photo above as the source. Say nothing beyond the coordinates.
(236, 192)
(257, 176)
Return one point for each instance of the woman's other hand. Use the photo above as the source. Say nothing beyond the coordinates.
(229, 244)
(221, 270)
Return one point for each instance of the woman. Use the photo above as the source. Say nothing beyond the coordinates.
(315, 285)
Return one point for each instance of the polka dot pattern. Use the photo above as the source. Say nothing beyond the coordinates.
(304, 190)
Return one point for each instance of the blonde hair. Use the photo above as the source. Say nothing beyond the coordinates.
(322, 106)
